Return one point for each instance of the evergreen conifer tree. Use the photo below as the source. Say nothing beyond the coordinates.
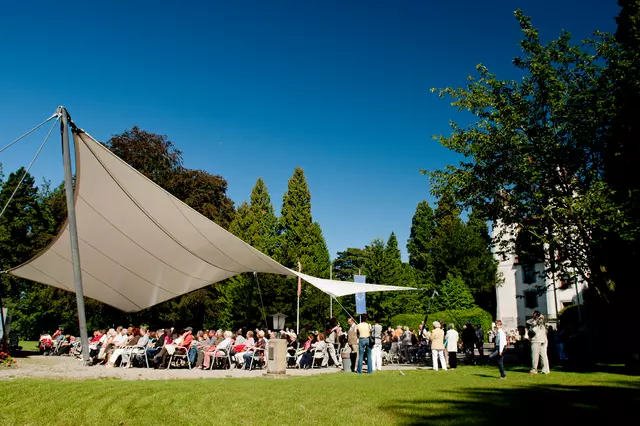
(453, 294)
(301, 241)
(420, 244)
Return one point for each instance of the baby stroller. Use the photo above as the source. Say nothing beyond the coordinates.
(75, 347)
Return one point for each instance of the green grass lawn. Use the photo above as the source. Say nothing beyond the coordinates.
(468, 395)
(29, 345)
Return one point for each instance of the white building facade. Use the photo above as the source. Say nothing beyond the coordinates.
(520, 293)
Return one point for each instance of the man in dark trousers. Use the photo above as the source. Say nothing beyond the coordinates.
(469, 342)
(480, 342)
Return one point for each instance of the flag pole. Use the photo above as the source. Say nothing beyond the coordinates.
(298, 310)
(330, 297)
(73, 232)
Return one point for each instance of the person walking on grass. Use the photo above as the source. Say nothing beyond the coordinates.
(437, 346)
(539, 343)
(501, 344)
(364, 332)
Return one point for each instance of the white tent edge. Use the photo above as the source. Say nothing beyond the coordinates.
(333, 288)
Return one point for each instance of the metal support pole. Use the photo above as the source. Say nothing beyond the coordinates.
(73, 233)
(298, 309)
(3, 342)
(331, 297)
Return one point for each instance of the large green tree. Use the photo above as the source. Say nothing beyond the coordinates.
(301, 240)
(384, 305)
(392, 273)
(382, 264)
(449, 241)
(153, 155)
(397, 273)
(348, 263)
(257, 225)
(622, 151)
(156, 157)
(480, 270)
(375, 264)
(204, 192)
(534, 156)
(26, 227)
(420, 244)
(453, 293)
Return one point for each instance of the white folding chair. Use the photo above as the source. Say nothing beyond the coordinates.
(318, 355)
(223, 355)
(256, 357)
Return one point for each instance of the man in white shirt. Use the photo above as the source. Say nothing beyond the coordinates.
(451, 345)
(501, 344)
(120, 338)
(538, 336)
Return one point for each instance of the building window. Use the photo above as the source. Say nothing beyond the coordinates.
(531, 299)
(529, 273)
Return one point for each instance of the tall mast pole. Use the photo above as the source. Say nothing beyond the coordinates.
(73, 232)
(298, 308)
(331, 297)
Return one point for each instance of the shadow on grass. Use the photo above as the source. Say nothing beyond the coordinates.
(23, 353)
(539, 405)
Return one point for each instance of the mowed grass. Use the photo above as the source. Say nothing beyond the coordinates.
(468, 395)
(29, 345)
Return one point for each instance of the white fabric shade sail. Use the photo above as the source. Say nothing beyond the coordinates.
(344, 288)
(140, 246)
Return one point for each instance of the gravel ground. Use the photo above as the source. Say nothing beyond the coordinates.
(65, 367)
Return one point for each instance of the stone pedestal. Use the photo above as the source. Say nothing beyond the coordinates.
(277, 356)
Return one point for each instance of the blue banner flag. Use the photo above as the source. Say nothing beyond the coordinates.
(361, 300)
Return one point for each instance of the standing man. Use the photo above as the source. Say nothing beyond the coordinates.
(501, 344)
(451, 345)
(469, 342)
(437, 346)
(364, 332)
(352, 341)
(538, 336)
(376, 352)
(480, 342)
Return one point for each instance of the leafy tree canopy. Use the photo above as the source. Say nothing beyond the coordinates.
(536, 149)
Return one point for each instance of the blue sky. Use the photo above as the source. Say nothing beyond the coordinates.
(250, 89)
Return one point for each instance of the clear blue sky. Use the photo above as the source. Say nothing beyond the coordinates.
(249, 89)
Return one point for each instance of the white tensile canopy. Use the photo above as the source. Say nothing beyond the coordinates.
(140, 246)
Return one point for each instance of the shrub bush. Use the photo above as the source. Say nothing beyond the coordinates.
(458, 317)
(411, 320)
(568, 318)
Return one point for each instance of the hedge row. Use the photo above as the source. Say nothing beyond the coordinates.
(458, 317)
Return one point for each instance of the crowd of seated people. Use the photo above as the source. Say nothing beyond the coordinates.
(208, 349)
(58, 344)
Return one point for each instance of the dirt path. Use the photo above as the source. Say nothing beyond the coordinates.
(64, 367)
